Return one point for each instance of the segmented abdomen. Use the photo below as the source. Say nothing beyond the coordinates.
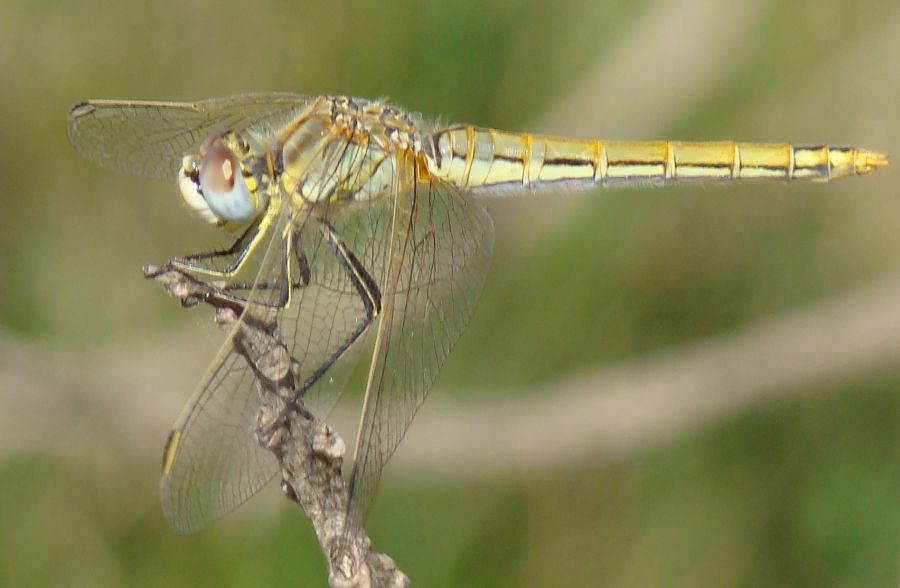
(480, 159)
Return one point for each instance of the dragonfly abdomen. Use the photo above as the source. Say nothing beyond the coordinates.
(482, 160)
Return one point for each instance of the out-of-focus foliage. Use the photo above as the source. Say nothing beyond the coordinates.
(801, 493)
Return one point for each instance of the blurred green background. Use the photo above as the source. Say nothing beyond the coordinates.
(800, 490)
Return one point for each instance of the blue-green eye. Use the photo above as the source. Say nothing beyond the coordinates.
(222, 185)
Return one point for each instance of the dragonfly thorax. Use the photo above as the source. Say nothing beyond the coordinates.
(347, 149)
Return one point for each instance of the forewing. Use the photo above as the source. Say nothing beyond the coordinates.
(327, 320)
(441, 247)
(214, 462)
(427, 251)
(144, 138)
(322, 319)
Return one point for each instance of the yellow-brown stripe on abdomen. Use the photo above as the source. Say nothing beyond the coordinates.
(481, 159)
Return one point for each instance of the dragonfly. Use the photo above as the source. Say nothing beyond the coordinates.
(361, 226)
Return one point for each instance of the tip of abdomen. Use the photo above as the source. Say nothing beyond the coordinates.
(867, 161)
(848, 161)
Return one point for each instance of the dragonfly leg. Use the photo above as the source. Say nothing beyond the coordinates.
(223, 292)
(281, 285)
(364, 285)
(237, 249)
(240, 249)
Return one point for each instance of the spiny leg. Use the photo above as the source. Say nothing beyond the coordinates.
(189, 266)
(242, 248)
(238, 248)
(282, 283)
(302, 273)
(365, 287)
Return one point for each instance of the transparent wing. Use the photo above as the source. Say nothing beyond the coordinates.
(148, 139)
(324, 316)
(440, 253)
(423, 252)
(213, 461)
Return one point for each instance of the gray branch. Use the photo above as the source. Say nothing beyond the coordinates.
(310, 452)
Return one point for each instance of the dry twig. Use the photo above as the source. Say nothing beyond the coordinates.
(309, 451)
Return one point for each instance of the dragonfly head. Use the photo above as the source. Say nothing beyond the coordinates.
(218, 181)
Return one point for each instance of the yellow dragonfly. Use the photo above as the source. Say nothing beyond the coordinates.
(352, 218)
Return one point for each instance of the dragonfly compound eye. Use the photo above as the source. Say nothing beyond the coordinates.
(222, 185)
(190, 189)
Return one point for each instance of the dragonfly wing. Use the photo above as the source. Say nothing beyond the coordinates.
(438, 260)
(323, 316)
(213, 462)
(144, 138)
(425, 249)
(328, 321)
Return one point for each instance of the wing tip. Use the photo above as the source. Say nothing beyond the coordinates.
(80, 109)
